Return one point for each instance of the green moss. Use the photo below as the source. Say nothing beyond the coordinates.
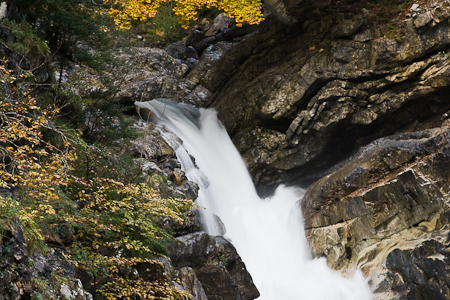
(250, 115)
(224, 261)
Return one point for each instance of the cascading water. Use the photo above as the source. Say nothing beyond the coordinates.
(267, 233)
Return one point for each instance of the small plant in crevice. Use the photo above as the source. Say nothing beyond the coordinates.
(224, 261)
(250, 114)
(397, 69)
(446, 55)
(327, 46)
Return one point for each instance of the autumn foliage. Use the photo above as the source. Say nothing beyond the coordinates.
(106, 224)
(64, 175)
(124, 12)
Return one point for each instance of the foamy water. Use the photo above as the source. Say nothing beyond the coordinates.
(267, 233)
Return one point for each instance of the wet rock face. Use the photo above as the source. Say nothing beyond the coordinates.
(158, 161)
(217, 265)
(394, 170)
(386, 212)
(298, 99)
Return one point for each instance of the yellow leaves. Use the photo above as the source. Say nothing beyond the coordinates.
(48, 209)
(121, 288)
(3, 183)
(113, 215)
(32, 164)
(12, 211)
(124, 12)
(241, 10)
(113, 195)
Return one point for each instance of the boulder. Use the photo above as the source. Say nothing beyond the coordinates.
(220, 23)
(144, 74)
(217, 265)
(150, 73)
(191, 284)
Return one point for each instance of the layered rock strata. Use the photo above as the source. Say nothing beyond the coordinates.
(387, 212)
(298, 99)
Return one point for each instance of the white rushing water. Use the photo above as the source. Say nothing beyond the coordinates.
(267, 233)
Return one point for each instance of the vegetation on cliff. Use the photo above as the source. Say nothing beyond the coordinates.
(67, 177)
(125, 12)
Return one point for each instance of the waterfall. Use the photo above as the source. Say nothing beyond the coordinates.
(267, 233)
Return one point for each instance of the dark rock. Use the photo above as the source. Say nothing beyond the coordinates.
(388, 205)
(168, 166)
(220, 23)
(211, 70)
(217, 265)
(192, 189)
(20, 269)
(195, 37)
(190, 52)
(199, 97)
(385, 157)
(188, 226)
(217, 283)
(236, 32)
(149, 73)
(190, 250)
(159, 269)
(424, 269)
(323, 89)
(180, 177)
(203, 44)
(157, 160)
(191, 284)
(347, 27)
(174, 163)
(190, 61)
(169, 174)
(151, 145)
(176, 49)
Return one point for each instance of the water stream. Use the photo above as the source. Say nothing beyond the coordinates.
(267, 233)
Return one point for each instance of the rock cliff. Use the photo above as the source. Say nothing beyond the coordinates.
(386, 212)
(298, 99)
(356, 104)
